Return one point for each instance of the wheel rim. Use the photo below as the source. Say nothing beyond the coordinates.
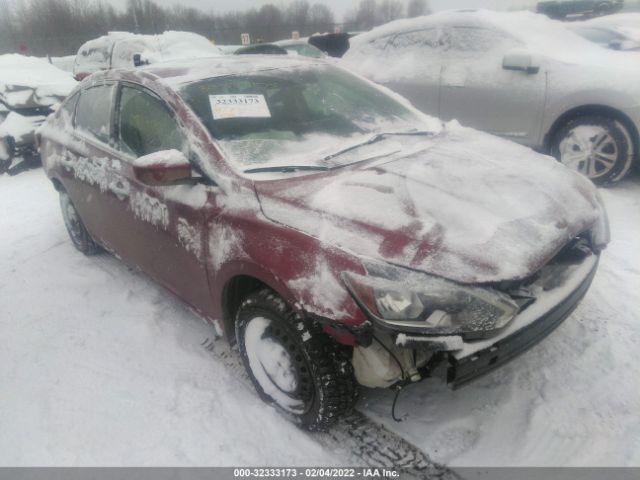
(71, 219)
(590, 150)
(276, 365)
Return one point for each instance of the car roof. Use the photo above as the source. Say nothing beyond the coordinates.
(537, 31)
(177, 73)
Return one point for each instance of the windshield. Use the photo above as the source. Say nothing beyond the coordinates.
(304, 49)
(295, 116)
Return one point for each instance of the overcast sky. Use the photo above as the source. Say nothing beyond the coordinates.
(339, 7)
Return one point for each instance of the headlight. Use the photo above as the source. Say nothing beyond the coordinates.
(600, 234)
(407, 301)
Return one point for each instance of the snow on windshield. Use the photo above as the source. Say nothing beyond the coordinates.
(297, 116)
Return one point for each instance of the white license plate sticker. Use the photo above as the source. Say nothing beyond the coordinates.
(239, 106)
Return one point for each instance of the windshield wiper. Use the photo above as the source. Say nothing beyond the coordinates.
(287, 168)
(375, 138)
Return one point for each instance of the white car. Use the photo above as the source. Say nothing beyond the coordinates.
(518, 75)
(618, 32)
(127, 50)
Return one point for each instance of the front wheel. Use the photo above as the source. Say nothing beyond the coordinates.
(596, 146)
(77, 231)
(292, 363)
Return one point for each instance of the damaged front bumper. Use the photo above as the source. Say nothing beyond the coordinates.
(554, 302)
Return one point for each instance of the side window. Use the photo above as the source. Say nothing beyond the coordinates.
(429, 37)
(93, 113)
(146, 124)
(478, 40)
(68, 109)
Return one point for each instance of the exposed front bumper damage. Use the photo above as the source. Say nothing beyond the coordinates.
(554, 302)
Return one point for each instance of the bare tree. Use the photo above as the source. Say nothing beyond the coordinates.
(417, 8)
(321, 18)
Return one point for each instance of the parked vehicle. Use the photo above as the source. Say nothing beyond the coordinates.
(338, 235)
(30, 89)
(261, 49)
(300, 47)
(127, 50)
(606, 37)
(618, 32)
(518, 75)
(333, 44)
(560, 9)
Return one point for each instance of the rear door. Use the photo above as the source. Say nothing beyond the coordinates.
(91, 164)
(415, 63)
(478, 92)
(163, 230)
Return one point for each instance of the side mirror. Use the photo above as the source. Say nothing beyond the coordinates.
(521, 60)
(137, 60)
(162, 168)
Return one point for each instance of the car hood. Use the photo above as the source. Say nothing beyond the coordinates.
(462, 205)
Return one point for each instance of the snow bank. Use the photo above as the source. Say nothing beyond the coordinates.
(19, 127)
(30, 81)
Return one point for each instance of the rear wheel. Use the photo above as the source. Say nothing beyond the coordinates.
(292, 363)
(596, 146)
(77, 231)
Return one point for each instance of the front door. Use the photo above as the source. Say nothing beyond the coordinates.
(164, 234)
(479, 93)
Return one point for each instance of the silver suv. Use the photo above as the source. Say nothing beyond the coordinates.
(518, 75)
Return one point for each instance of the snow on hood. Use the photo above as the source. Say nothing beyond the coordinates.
(465, 206)
(27, 82)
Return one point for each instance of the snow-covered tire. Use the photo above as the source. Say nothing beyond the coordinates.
(77, 231)
(292, 363)
(596, 146)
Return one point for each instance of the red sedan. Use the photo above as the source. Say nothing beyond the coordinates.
(339, 236)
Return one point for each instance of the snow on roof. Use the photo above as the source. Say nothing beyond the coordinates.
(169, 45)
(538, 32)
(182, 72)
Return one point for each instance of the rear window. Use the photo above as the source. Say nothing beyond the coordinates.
(93, 113)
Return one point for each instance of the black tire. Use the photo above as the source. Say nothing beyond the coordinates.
(585, 143)
(78, 233)
(323, 386)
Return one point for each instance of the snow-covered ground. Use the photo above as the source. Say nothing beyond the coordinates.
(99, 366)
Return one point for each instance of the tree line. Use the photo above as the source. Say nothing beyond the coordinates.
(59, 27)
